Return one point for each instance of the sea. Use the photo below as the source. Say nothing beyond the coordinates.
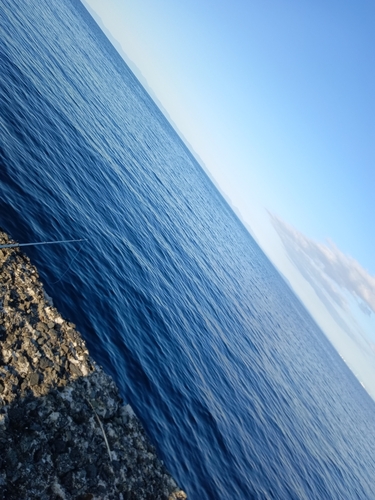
(240, 391)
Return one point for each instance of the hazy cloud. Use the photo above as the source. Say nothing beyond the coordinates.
(327, 268)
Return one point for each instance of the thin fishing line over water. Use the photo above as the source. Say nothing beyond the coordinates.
(16, 245)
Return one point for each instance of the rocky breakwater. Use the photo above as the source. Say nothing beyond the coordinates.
(64, 431)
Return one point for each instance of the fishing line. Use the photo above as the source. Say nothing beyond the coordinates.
(16, 245)
(70, 265)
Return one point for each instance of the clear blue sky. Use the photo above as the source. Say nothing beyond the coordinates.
(277, 98)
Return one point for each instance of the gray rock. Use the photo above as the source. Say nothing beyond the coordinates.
(64, 429)
(34, 378)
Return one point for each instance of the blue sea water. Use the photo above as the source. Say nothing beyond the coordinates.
(240, 391)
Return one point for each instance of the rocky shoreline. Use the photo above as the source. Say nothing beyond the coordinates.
(64, 430)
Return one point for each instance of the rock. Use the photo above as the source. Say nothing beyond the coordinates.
(45, 363)
(75, 370)
(34, 379)
(64, 431)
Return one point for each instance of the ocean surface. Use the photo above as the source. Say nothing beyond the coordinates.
(238, 388)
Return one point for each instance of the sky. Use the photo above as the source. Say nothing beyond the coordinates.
(276, 98)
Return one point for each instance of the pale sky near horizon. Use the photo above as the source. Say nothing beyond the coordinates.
(277, 100)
